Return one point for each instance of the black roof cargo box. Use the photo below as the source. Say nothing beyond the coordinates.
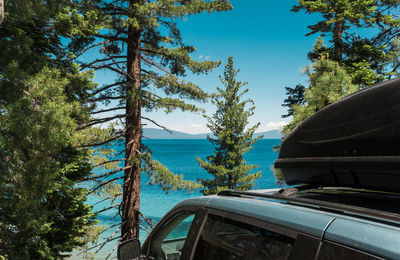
(354, 142)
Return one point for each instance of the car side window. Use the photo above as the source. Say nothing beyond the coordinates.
(333, 251)
(168, 241)
(223, 238)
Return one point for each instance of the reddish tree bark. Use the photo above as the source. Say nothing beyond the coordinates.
(133, 138)
(338, 40)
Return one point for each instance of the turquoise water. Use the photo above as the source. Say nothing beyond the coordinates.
(180, 157)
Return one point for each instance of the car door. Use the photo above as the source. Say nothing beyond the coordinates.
(173, 237)
(227, 236)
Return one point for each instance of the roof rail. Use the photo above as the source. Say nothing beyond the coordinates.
(331, 206)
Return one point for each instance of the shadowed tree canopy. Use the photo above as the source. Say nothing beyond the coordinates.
(295, 96)
(43, 214)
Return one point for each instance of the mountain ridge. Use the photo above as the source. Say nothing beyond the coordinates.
(155, 133)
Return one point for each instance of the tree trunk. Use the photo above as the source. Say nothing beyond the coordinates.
(131, 187)
(338, 40)
(1, 11)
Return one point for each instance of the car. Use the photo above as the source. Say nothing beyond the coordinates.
(292, 223)
(343, 168)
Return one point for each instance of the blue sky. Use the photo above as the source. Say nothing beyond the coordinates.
(269, 47)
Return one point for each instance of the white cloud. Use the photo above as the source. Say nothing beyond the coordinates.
(191, 129)
(271, 126)
(201, 129)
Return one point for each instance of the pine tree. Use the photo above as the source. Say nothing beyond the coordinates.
(43, 214)
(232, 141)
(141, 43)
(367, 59)
(295, 96)
(329, 82)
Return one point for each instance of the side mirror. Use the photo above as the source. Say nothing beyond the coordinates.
(129, 250)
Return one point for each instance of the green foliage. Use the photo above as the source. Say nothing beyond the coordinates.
(368, 58)
(43, 213)
(228, 124)
(295, 96)
(39, 199)
(159, 174)
(329, 82)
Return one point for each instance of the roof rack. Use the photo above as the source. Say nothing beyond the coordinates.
(283, 195)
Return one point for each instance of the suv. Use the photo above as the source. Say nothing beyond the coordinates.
(345, 160)
(291, 223)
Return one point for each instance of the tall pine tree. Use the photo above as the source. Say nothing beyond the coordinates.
(142, 45)
(232, 140)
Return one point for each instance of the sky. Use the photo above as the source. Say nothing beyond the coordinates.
(269, 46)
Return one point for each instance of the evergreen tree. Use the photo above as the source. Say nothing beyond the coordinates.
(295, 96)
(367, 59)
(232, 141)
(43, 214)
(329, 82)
(141, 43)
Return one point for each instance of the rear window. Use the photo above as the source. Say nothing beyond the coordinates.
(223, 238)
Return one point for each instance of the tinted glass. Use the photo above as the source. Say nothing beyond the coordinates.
(332, 251)
(223, 238)
(168, 241)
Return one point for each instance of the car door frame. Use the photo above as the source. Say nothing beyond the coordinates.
(301, 239)
(200, 218)
(200, 214)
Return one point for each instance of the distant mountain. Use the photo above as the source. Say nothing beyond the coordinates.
(273, 134)
(155, 133)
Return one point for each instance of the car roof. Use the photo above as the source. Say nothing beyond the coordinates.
(376, 233)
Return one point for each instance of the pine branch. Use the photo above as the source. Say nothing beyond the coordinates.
(105, 183)
(102, 66)
(108, 198)
(107, 110)
(107, 174)
(84, 66)
(93, 247)
(147, 220)
(157, 66)
(101, 143)
(106, 66)
(163, 127)
(110, 161)
(99, 121)
(112, 251)
(111, 207)
(106, 119)
(101, 98)
(109, 239)
(112, 38)
(90, 47)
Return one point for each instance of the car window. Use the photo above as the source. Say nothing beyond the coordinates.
(168, 241)
(223, 238)
(333, 251)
